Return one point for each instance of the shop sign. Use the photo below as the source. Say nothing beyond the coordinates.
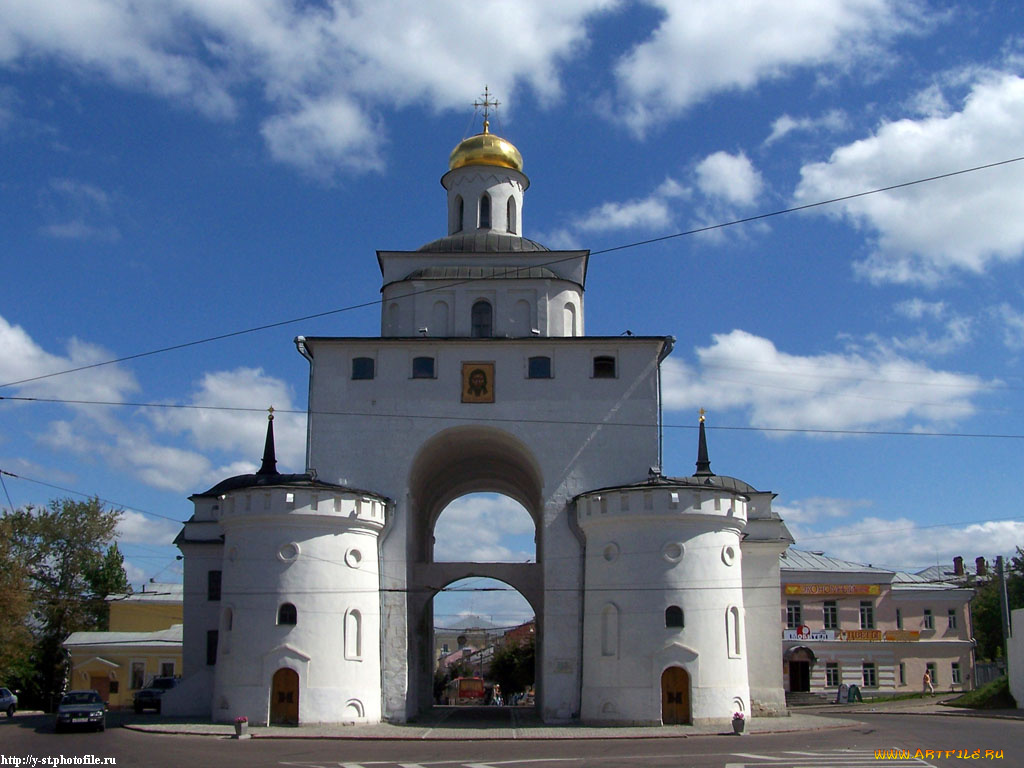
(833, 589)
(860, 635)
(902, 635)
(806, 633)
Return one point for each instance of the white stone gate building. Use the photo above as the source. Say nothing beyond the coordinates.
(310, 595)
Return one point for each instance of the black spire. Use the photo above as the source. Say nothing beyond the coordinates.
(269, 466)
(703, 462)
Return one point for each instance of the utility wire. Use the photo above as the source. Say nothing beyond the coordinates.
(498, 420)
(448, 284)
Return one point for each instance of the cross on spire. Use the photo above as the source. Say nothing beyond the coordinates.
(487, 103)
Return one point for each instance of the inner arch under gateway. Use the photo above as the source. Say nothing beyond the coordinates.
(470, 459)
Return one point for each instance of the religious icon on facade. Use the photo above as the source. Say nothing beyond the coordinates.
(478, 382)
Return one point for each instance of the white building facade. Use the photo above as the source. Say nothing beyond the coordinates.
(310, 600)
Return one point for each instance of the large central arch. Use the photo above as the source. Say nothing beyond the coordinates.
(453, 463)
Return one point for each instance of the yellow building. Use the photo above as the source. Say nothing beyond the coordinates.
(144, 641)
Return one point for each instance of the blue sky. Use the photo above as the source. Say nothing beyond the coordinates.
(180, 170)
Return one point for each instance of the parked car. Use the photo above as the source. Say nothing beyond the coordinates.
(81, 709)
(8, 701)
(149, 697)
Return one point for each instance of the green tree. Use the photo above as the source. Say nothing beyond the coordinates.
(73, 564)
(512, 667)
(986, 612)
(15, 639)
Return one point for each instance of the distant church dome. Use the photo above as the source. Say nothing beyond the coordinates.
(486, 149)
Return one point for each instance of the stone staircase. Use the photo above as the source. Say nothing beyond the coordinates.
(807, 699)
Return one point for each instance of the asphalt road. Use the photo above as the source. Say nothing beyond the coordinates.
(32, 736)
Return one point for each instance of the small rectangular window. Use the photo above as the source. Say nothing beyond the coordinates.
(423, 368)
(933, 672)
(166, 669)
(604, 367)
(951, 618)
(903, 673)
(831, 615)
(213, 585)
(955, 673)
(539, 368)
(211, 647)
(899, 618)
(832, 674)
(115, 686)
(870, 675)
(138, 674)
(929, 620)
(362, 368)
(794, 615)
(867, 614)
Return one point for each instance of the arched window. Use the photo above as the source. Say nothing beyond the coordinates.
(604, 367)
(539, 367)
(734, 631)
(482, 320)
(362, 368)
(610, 630)
(485, 211)
(353, 635)
(673, 616)
(287, 615)
(459, 208)
(423, 367)
(510, 215)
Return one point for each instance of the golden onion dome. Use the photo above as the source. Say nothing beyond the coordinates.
(486, 149)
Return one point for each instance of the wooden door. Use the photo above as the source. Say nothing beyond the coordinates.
(284, 698)
(101, 685)
(675, 696)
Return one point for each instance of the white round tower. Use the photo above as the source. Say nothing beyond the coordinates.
(663, 615)
(298, 591)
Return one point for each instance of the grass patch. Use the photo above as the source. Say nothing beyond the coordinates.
(994, 695)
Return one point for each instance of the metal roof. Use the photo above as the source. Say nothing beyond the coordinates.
(162, 638)
(153, 592)
(800, 560)
(482, 242)
(465, 272)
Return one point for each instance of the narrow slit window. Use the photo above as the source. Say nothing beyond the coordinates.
(459, 209)
(674, 616)
(510, 215)
(485, 211)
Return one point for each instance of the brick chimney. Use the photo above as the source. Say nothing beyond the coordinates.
(958, 566)
(980, 566)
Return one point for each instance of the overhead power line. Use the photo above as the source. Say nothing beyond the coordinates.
(613, 249)
(520, 420)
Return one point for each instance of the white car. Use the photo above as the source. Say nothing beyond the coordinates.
(8, 702)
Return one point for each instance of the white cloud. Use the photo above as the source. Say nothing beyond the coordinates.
(833, 120)
(704, 48)
(807, 511)
(22, 358)
(927, 232)
(1012, 321)
(322, 68)
(834, 391)
(137, 528)
(82, 210)
(652, 212)
(905, 544)
(484, 528)
(731, 178)
(215, 427)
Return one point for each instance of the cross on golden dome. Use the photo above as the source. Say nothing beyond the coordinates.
(487, 104)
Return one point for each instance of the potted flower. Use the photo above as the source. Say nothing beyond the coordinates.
(241, 726)
(738, 723)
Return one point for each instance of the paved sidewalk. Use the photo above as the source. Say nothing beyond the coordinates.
(933, 705)
(506, 725)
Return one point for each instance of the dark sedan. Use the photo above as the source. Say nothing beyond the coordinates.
(81, 709)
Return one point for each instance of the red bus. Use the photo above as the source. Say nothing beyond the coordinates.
(464, 690)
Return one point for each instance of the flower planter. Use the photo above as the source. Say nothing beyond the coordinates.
(738, 725)
(241, 729)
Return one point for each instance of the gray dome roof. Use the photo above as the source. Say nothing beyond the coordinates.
(482, 242)
(467, 272)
